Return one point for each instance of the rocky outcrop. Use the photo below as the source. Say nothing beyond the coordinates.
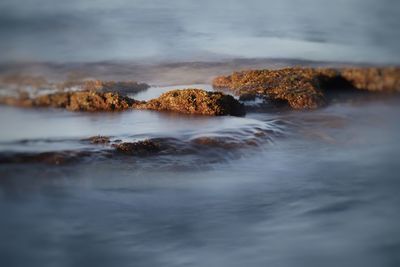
(188, 101)
(308, 88)
(94, 101)
(373, 79)
(122, 87)
(195, 101)
(74, 101)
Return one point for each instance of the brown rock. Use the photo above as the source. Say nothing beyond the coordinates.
(19, 80)
(16, 101)
(296, 86)
(104, 140)
(306, 88)
(123, 87)
(374, 79)
(95, 101)
(74, 101)
(195, 101)
(145, 147)
(52, 157)
(56, 100)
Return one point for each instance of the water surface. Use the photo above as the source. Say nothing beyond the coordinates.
(321, 190)
(81, 31)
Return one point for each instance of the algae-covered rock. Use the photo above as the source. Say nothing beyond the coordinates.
(140, 148)
(188, 101)
(51, 157)
(373, 79)
(120, 87)
(308, 88)
(98, 139)
(95, 101)
(75, 101)
(195, 101)
(299, 87)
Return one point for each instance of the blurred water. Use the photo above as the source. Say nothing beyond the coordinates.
(341, 30)
(325, 193)
(316, 189)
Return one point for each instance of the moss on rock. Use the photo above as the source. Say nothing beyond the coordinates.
(195, 101)
(305, 88)
(75, 101)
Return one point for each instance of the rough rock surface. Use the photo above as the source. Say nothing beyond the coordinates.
(122, 87)
(373, 79)
(75, 101)
(145, 147)
(195, 101)
(306, 88)
(189, 101)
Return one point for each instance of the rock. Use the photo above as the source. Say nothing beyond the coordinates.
(195, 101)
(52, 157)
(75, 101)
(21, 101)
(103, 140)
(294, 85)
(189, 101)
(56, 100)
(95, 101)
(374, 79)
(145, 147)
(20, 81)
(308, 88)
(123, 87)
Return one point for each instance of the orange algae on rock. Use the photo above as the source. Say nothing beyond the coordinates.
(188, 101)
(74, 101)
(121, 87)
(195, 101)
(95, 101)
(306, 88)
(374, 79)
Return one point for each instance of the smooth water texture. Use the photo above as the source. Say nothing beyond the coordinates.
(322, 193)
(81, 31)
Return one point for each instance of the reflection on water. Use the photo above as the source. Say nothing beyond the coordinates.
(326, 194)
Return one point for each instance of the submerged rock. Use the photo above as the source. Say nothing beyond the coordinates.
(98, 139)
(308, 88)
(195, 101)
(52, 157)
(146, 147)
